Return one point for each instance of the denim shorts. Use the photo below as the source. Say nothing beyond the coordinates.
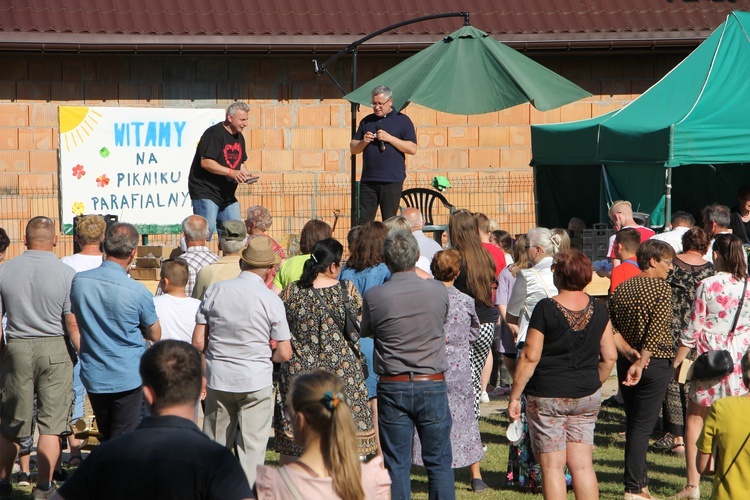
(553, 422)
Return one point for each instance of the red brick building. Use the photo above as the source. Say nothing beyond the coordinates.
(199, 54)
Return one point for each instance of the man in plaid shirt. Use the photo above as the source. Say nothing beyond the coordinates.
(195, 230)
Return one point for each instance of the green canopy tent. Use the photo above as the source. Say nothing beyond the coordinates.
(697, 118)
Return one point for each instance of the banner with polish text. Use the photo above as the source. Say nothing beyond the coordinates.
(129, 162)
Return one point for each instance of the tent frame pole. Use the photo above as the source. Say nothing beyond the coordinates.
(668, 199)
(352, 48)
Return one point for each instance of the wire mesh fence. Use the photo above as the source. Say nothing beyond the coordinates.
(508, 199)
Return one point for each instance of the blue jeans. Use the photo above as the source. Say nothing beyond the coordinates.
(215, 214)
(402, 406)
(80, 391)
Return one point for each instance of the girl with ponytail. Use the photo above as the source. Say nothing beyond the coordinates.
(329, 467)
(315, 311)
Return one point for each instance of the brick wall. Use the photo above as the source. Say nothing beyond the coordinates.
(299, 127)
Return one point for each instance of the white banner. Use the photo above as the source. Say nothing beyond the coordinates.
(130, 162)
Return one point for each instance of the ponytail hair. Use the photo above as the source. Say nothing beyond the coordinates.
(561, 238)
(323, 254)
(520, 257)
(733, 257)
(319, 396)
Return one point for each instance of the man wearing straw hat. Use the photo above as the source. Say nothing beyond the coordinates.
(235, 324)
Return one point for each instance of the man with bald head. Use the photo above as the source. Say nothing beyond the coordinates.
(35, 295)
(621, 215)
(115, 315)
(427, 246)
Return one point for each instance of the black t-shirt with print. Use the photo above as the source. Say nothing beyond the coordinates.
(229, 151)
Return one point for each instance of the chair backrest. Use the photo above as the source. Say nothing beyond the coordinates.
(423, 200)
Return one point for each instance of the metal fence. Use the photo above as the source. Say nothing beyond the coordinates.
(507, 199)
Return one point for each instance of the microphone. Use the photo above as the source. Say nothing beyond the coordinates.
(381, 144)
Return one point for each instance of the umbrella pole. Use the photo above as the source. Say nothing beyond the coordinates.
(353, 179)
(320, 69)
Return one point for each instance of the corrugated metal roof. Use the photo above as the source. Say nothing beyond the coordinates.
(327, 24)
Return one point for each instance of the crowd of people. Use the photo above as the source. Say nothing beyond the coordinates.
(380, 352)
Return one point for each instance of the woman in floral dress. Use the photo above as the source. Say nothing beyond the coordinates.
(461, 329)
(711, 317)
(689, 269)
(318, 343)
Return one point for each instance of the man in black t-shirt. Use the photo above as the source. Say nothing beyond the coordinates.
(167, 456)
(384, 138)
(218, 166)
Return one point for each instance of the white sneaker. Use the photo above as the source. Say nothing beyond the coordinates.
(16, 468)
(484, 398)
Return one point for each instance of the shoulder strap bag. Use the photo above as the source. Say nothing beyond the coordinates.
(350, 327)
(289, 483)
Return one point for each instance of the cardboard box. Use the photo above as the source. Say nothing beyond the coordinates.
(151, 256)
(155, 251)
(147, 274)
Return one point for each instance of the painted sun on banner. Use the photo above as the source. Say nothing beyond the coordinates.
(129, 162)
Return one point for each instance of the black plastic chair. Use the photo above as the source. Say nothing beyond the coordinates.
(424, 200)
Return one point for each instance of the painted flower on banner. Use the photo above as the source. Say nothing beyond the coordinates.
(104, 152)
(78, 208)
(78, 171)
(102, 180)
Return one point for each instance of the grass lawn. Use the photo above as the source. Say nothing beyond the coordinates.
(666, 473)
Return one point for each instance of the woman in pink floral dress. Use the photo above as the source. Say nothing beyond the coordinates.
(711, 317)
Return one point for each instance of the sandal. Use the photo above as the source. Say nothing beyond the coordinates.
(75, 461)
(665, 443)
(690, 491)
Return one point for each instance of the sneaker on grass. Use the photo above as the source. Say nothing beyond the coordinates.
(24, 479)
(40, 494)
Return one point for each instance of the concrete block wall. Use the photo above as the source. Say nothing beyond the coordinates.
(299, 127)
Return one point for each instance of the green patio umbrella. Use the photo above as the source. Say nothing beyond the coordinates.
(469, 73)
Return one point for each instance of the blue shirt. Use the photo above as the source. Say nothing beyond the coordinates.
(110, 307)
(366, 278)
(388, 165)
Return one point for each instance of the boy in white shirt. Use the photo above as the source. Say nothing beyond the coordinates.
(176, 311)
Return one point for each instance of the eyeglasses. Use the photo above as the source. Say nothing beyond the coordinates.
(376, 104)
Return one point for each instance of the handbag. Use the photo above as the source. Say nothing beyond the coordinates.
(712, 365)
(718, 363)
(350, 327)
